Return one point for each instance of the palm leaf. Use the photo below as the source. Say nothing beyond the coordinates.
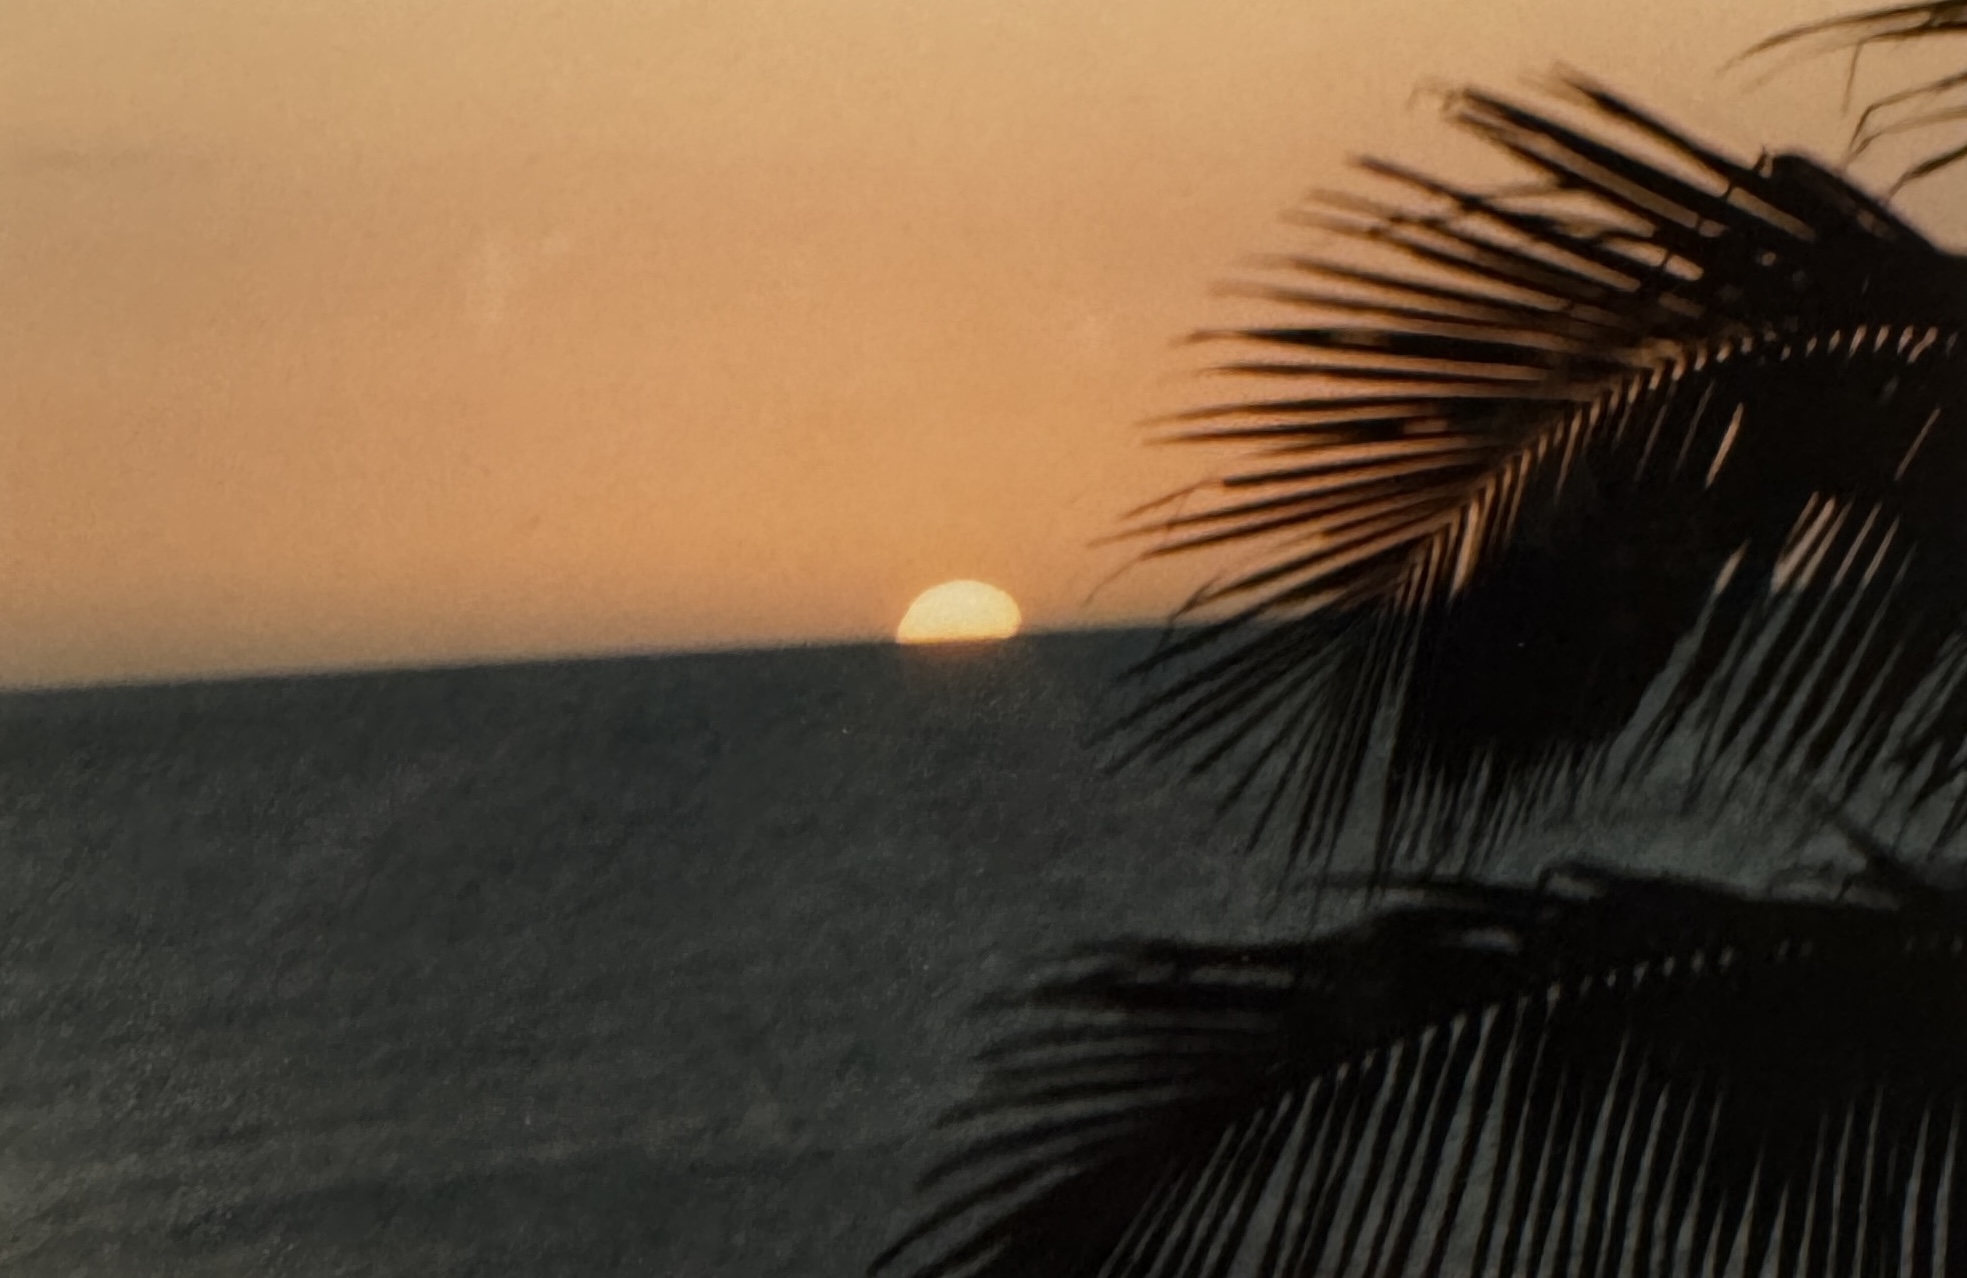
(1543, 441)
(1607, 1075)
(1932, 102)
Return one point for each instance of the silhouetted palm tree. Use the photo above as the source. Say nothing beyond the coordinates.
(1934, 102)
(1609, 1075)
(1660, 442)
(1657, 403)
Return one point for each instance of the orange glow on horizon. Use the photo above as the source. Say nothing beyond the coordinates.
(348, 335)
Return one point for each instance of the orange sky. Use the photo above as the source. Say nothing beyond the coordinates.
(344, 332)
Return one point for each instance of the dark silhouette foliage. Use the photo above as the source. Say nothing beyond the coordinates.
(1606, 1075)
(1935, 102)
(1655, 412)
(1658, 444)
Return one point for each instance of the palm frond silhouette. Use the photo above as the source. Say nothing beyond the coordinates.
(1608, 1075)
(1660, 412)
(1936, 102)
(1661, 444)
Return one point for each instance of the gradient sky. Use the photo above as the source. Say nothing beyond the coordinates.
(351, 332)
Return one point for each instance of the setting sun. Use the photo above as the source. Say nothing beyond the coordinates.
(957, 611)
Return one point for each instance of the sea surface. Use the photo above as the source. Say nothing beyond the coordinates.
(656, 966)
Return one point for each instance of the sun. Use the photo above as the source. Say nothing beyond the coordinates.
(959, 611)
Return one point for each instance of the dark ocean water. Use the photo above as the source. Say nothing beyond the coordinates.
(649, 966)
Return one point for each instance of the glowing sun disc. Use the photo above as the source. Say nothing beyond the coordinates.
(958, 612)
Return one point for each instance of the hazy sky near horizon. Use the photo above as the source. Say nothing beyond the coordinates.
(351, 332)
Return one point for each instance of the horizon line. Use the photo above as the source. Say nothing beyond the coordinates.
(288, 674)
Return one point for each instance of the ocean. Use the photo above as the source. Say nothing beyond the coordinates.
(641, 966)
